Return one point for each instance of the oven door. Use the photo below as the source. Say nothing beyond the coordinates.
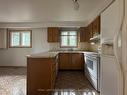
(91, 66)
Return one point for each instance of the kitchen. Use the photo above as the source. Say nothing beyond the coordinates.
(67, 56)
(64, 59)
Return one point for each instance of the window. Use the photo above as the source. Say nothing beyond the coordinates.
(20, 38)
(68, 38)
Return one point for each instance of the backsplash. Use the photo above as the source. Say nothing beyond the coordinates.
(94, 47)
(81, 46)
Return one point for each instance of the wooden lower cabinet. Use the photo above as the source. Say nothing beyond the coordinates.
(71, 61)
(41, 75)
(77, 61)
(64, 61)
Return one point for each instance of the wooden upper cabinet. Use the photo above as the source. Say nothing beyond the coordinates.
(84, 34)
(90, 30)
(96, 25)
(56, 35)
(53, 34)
(50, 35)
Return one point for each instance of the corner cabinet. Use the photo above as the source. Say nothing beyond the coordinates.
(3, 38)
(53, 34)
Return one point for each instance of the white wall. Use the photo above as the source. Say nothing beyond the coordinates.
(17, 56)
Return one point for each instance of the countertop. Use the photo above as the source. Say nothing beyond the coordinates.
(52, 54)
(43, 55)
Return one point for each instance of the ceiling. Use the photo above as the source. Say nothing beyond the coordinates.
(48, 10)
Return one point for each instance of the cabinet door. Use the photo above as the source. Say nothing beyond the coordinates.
(49, 34)
(53, 34)
(84, 34)
(77, 61)
(88, 34)
(64, 61)
(90, 29)
(96, 25)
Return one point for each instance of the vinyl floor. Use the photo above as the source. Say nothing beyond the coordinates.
(13, 82)
(73, 83)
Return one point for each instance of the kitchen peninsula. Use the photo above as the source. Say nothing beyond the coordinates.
(42, 69)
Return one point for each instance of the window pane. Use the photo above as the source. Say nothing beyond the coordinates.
(72, 41)
(64, 41)
(64, 33)
(72, 33)
(69, 38)
(15, 39)
(25, 38)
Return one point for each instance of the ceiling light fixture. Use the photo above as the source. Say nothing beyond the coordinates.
(76, 4)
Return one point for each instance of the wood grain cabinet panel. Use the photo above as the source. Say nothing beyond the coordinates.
(84, 34)
(71, 61)
(41, 75)
(64, 61)
(53, 34)
(50, 33)
(56, 35)
(96, 25)
(77, 61)
(88, 32)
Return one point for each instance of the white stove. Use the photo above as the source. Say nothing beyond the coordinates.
(92, 68)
